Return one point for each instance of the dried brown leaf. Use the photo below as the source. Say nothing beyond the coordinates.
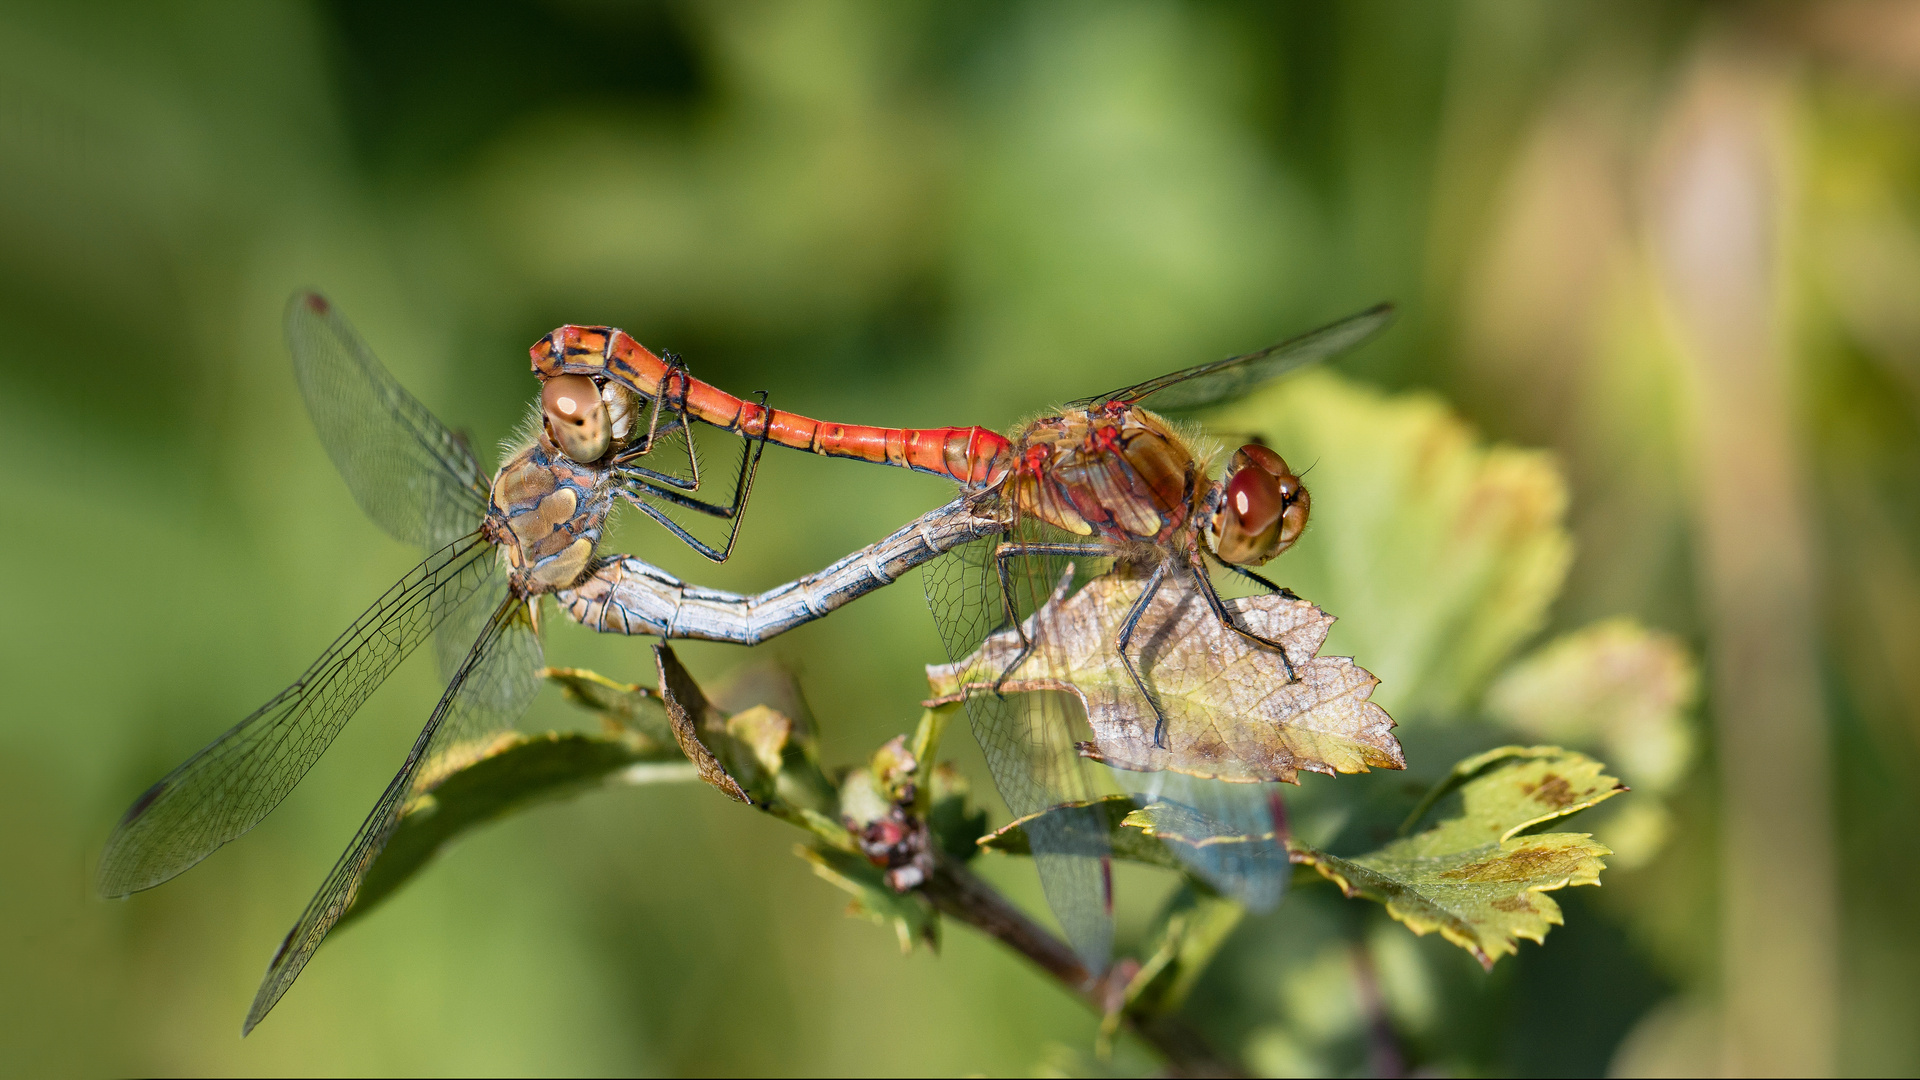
(692, 716)
(1232, 713)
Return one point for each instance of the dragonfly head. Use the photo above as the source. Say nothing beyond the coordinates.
(1262, 508)
(576, 418)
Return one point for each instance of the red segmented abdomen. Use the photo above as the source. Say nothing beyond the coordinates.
(972, 455)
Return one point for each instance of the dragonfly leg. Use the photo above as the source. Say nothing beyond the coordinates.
(1003, 556)
(1259, 579)
(676, 369)
(624, 460)
(1125, 638)
(1199, 568)
(750, 452)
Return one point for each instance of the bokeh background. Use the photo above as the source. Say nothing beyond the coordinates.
(1676, 244)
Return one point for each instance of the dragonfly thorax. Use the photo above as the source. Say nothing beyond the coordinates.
(1122, 474)
(547, 512)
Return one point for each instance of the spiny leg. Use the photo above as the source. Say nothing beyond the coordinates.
(1003, 555)
(1125, 638)
(750, 452)
(1258, 579)
(1199, 568)
(624, 461)
(751, 448)
(662, 391)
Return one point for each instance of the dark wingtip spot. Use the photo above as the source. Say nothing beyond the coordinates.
(286, 943)
(145, 800)
(317, 303)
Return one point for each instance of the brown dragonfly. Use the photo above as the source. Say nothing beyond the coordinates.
(1102, 482)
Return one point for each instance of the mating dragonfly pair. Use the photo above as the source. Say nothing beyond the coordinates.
(1102, 485)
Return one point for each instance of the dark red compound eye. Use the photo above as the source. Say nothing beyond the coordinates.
(1255, 454)
(1253, 498)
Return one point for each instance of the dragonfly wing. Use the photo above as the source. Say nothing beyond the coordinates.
(1232, 836)
(1224, 380)
(226, 788)
(1029, 739)
(409, 473)
(488, 692)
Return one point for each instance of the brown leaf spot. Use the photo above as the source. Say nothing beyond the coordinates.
(1526, 864)
(1514, 904)
(1553, 790)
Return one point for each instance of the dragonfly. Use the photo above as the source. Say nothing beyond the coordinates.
(498, 546)
(1101, 482)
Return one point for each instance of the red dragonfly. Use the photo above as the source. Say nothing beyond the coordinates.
(498, 546)
(1103, 480)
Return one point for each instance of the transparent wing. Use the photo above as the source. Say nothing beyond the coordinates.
(1223, 380)
(1029, 738)
(487, 694)
(410, 474)
(225, 789)
(1233, 834)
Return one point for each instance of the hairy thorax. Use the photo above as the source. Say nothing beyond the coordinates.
(548, 513)
(1115, 471)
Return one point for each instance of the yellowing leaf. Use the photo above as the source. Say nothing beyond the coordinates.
(1441, 554)
(1131, 843)
(624, 706)
(1615, 685)
(1474, 878)
(1231, 711)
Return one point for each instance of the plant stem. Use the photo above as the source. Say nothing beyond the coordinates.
(956, 892)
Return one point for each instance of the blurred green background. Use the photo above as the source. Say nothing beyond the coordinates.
(1676, 244)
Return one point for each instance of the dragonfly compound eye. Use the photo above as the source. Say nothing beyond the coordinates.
(1253, 498)
(1259, 456)
(1262, 510)
(576, 418)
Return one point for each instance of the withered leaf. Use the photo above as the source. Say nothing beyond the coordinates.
(1232, 713)
(755, 757)
(1474, 877)
(695, 721)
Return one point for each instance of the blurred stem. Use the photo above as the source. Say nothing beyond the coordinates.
(1721, 199)
(957, 893)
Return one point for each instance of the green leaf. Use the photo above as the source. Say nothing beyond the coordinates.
(477, 783)
(1615, 686)
(909, 914)
(1475, 878)
(1132, 844)
(623, 706)
(1441, 554)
